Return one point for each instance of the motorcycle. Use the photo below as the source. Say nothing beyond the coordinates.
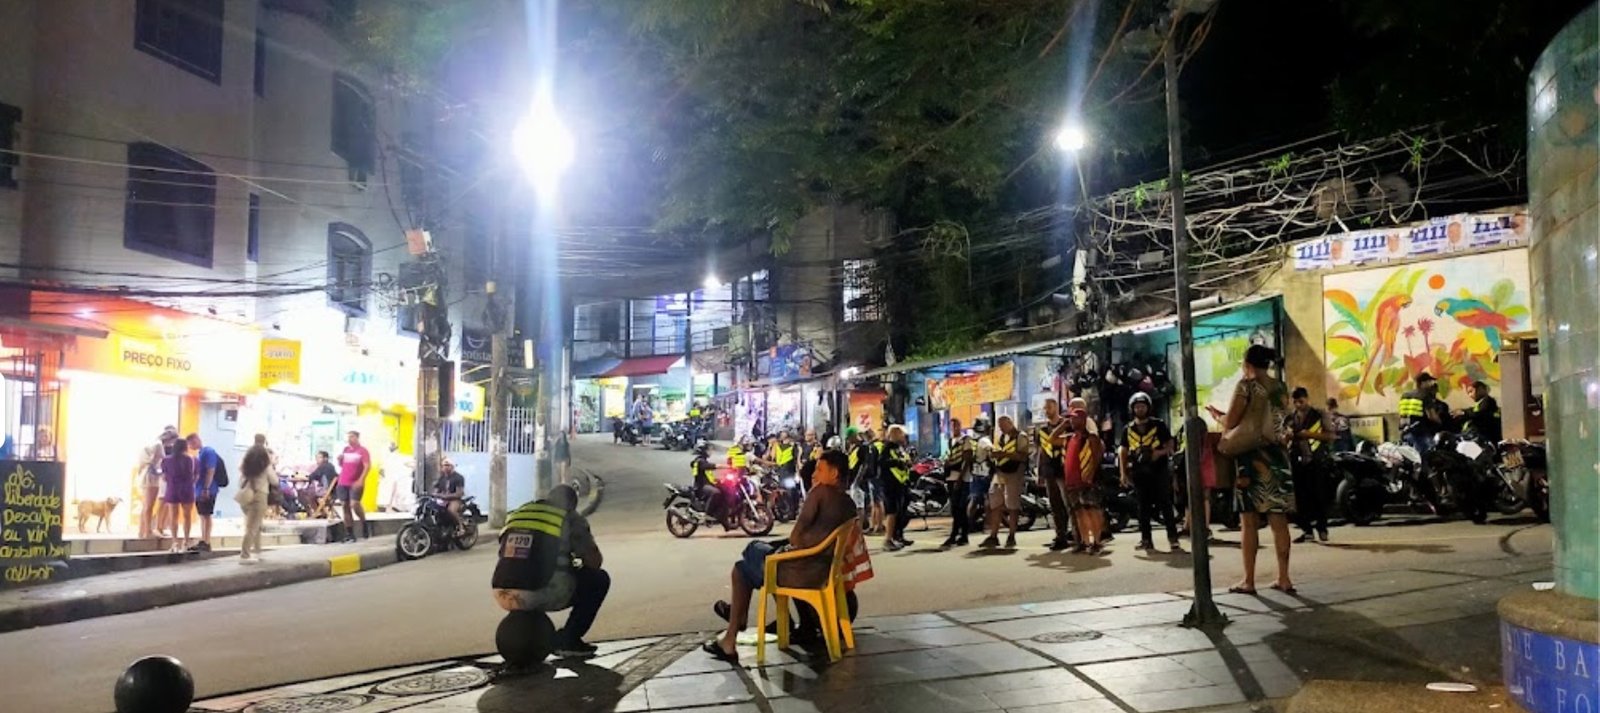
(1520, 479)
(743, 507)
(784, 493)
(625, 432)
(929, 495)
(1368, 480)
(431, 530)
(1462, 467)
(675, 437)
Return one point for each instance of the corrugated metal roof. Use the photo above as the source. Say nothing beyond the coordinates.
(1138, 327)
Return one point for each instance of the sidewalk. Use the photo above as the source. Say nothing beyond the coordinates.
(1101, 655)
(188, 581)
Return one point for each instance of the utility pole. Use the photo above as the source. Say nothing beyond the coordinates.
(499, 386)
(1204, 614)
(688, 352)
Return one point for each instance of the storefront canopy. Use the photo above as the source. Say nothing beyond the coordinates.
(1136, 327)
(591, 368)
(644, 366)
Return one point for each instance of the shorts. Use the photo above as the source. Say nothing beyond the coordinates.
(348, 493)
(1083, 498)
(978, 487)
(894, 495)
(179, 493)
(205, 504)
(1007, 490)
(151, 479)
(753, 563)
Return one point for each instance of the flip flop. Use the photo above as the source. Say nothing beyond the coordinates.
(715, 649)
(1289, 590)
(1241, 590)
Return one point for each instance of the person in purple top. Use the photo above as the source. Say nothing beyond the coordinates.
(179, 469)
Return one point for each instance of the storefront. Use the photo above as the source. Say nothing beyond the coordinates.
(155, 367)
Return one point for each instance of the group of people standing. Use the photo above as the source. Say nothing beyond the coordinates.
(185, 476)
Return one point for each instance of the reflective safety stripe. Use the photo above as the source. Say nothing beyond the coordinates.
(537, 517)
(855, 458)
(783, 455)
(1316, 427)
(1410, 407)
(1148, 439)
(737, 457)
(1041, 436)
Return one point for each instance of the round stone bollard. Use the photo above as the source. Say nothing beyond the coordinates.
(155, 684)
(525, 638)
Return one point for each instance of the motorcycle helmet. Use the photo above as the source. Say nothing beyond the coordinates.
(835, 444)
(701, 447)
(1138, 397)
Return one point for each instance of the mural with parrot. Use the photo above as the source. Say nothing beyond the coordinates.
(1447, 317)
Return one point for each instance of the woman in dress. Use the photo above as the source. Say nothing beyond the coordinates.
(253, 496)
(179, 471)
(1262, 485)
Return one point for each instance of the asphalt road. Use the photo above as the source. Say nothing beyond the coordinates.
(441, 607)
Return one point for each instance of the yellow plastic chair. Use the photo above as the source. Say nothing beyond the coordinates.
(828, 600)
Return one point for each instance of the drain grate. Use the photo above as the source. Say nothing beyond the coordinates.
(1066, 637)
(321, 703)
(456, 679)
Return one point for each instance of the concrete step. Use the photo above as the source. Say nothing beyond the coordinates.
(1369, 697)
(148, 545)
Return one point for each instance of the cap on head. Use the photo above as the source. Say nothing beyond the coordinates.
(1425, 378)
(564, 497)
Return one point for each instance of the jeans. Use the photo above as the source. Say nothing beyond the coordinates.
(1060, 514)
(1310, 496)
(588, 593)
(1155, 500)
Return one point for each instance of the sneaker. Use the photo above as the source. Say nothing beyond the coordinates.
(202, 546)
(1011, 542)
(893, 546)
(1322, 535)
(905, 542)
(1058, 545)
(948, 543)
(1176, 548)
(1144, 546)
(990, 542)
(962, 541)
(1303, 538)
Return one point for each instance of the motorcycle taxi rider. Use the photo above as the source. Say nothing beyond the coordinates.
(450, 490)
(708, 496)
(548, 561)
(1483, 416)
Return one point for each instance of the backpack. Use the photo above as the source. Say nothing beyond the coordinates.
(221, 478)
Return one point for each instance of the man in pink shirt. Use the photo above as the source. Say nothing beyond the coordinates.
(354, 465)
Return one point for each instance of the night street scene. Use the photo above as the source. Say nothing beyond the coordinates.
(800, 356)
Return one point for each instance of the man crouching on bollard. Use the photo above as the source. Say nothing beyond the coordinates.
(549, 561)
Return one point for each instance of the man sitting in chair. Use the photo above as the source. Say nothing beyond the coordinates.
(549, 561)
(827, 506)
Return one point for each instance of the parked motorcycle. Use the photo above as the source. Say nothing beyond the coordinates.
(431, 529)
(929, 495)
(1520, 479)
(1369, 480)
(625, 432)
(783, 492)
(1462, 467)
(674, 437)
(742, 503)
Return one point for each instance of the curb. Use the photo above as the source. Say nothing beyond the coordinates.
(61, 611)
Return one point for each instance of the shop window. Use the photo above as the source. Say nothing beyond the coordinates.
(354, 127)
(861, 302)
(10, 117)
(252, 244)
(171, 206)
(259, 73)
(610, 322)
(349, 268)
(184, 33)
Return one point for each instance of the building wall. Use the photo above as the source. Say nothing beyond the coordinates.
(808, 280)
(16, 89)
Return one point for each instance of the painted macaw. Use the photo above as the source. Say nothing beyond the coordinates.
(1386, 327)
(1475, 314)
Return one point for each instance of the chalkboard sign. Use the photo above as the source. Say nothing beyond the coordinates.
(31, 510)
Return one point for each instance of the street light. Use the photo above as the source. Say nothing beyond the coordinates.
(543, 146)
(1072, 138)
(712, 283)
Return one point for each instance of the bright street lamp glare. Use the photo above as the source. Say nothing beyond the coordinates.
(712, 283)
(543, 146)
(1072, 138)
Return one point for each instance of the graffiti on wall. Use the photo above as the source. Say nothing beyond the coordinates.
(1448, 317)
(1217, 370)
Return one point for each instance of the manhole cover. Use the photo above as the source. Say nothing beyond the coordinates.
(1066, 637)
(321, 703)
(437, 682)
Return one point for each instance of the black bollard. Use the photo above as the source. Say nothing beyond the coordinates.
(525, 638)
(155, 684)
